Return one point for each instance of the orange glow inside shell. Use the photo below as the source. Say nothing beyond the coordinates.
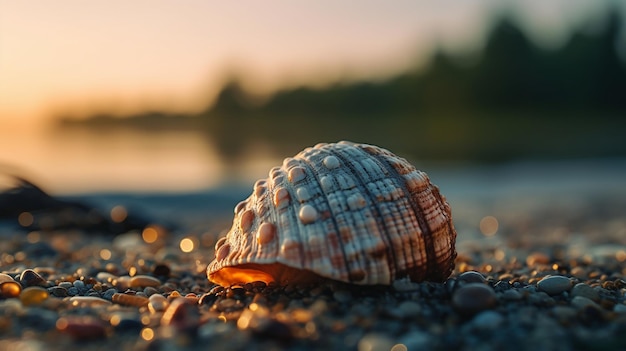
(275, 272)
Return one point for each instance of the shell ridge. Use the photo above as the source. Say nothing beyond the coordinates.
(419, 211)
(391, 255)
(332, 218)
(441, 201)
(295, 232)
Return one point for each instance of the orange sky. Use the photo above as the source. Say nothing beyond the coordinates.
(72, 54)
(124, 56)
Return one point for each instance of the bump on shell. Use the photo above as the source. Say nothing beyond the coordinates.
(344, 211)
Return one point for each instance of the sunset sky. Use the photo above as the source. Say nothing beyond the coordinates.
(75, 57)
(120, 55)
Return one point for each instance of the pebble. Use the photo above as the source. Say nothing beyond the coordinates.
(473, 298)
(31, 278)
(581, 302)
(6, 278)
(554, 284)
(471, 277)
(57, 291)
(408, 309)
(157, 303)
(130, 300)
(108, 294)
(512, 295)
(88, 301)
(33, 295)
(65, 285)
(487, 320)
(564, 314)
(181, 315)
(142, 281)
(584, 290)
(9, 289)
(81, 327)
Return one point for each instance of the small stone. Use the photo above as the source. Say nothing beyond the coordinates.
(149, 291)
(65, 285)
(31, 278)
(129, 300)
(142, 281)
(9, 289)
(512, 295)
(181, 315)
(6, 278)
(487, 320)
(57, 291)
(473, 298)
(33, 295)
(564, 314)
(581, 302)
(81, 327)
(554, 284)
(108, 295)
(88, 301)
(409, 309)
(471, 277)
(157, 303)
(584, 290)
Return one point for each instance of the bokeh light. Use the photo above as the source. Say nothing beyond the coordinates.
(187, 245)
(147, 334)
(25, 219)
(489, 225)
(150, 234)
(105, 254)
(118, 214)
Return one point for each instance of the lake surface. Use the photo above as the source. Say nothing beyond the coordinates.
(78, 161)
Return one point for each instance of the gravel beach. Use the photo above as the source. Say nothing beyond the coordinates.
(530, 275)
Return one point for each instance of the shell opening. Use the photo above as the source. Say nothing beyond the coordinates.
(251, 272)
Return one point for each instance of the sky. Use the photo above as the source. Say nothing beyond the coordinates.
(72, 55)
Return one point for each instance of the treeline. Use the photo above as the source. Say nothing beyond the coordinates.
(516, 100)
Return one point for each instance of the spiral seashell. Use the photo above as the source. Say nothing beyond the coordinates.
(350, 212)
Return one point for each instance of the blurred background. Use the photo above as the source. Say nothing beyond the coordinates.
(159, 96)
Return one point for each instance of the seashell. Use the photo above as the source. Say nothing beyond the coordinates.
(349, 212)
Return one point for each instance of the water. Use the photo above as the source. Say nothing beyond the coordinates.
(132, 161)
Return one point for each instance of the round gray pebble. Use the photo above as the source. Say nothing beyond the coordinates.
(584, 290)
(473, 298)
(487, 320)
(582, 302)
(512, 295)
(554, 284)
(65, 285)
